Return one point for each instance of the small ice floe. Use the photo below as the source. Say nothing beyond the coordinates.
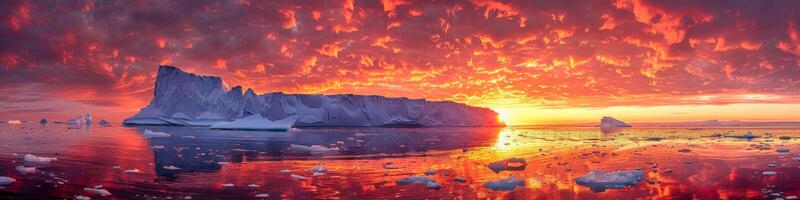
(81, 197)
(430, 172)
(785, 137)
(134, 170)
(26, 170)
(311, 150)
(103, 122)
(791, 197)
(252, 185)
(116, 167)
(768, 173)
(747, 135)
(390, 167)
(782, 150)
(97, 191)
(298, 177)
(150, 134)
(504, 184)
(223, 163)
(433, 185)
(318, 170)
(685, 150)
(158, 147)
(285, 171)
(170, 167)
(460, 179)
(4, 180)
(796, 158)
(228, 185)
(511, 164)
(599, 181)
(653, 139)
(264, 195)
(415, 180)
(38, 160)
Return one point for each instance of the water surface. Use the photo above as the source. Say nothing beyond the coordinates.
(679, 163)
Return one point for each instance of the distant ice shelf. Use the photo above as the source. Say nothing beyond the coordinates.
(186, 99)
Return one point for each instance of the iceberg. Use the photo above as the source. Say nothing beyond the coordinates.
(103, 122)
(607, 122)
(14, 122)
(81, 119)
(511, 164)
(186, 99)
(43, 121)
(599, 181)
(257, 122)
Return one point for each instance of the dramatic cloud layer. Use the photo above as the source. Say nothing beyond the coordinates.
(78, 55)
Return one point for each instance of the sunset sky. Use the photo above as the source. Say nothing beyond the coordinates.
(535, 62)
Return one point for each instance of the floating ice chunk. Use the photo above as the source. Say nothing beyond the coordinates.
(430, 172)
(257, 122)
(81, 197)
(170, 167)
(747, 135)
(14, 122)
(43, 121)
(38, 160)
(253, 185)
(599, 181)
(319, 170)
(158, 147)
(511, 164)
(149, 134)
(26, 170)
(791, 197)
(103, 122)
(504, 184)
(390, 167)
(768, 173)
(415, 180)
(298, 177)
(4, 180)
(782, 150)
(228, 185)
(286, 171)
(785, 137)
(264, 195)
(134, 170)
(433, 185)
(97, 191)
(460, 179)
(312, 150)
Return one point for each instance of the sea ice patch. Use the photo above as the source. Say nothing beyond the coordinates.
(504, 184)
(599, 181)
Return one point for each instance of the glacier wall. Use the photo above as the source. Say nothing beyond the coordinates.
(186, 99)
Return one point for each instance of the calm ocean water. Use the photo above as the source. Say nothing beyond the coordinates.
(365, 163)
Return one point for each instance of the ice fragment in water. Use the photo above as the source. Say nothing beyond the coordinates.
(599, 181)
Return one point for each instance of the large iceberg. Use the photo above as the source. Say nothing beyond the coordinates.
(607, 122)
(186, 99)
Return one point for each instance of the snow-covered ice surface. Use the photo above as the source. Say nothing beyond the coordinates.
(396, 163)
(187, 99)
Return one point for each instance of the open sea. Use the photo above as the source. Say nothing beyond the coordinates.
(366, 163)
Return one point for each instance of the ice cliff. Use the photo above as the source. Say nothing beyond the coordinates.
(186, 99)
